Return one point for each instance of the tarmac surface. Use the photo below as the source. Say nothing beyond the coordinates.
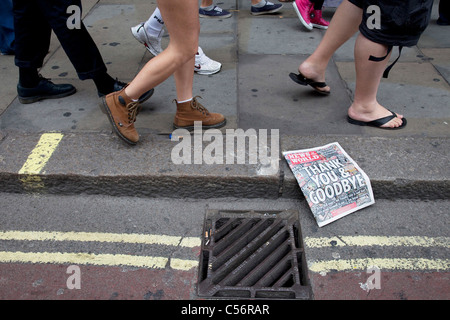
(408, 168)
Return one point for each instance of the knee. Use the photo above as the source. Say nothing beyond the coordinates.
(185, 53)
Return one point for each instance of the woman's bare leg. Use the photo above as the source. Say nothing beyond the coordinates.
(343, 26)
(182, 22)
(365, 106)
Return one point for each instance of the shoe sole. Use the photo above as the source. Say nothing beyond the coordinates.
(306, 25)
(318, 26)
(207, 72)
(105, 109)
(266, 12)
(28, 100)
(215, 17)
(365, 124)
(213, 126)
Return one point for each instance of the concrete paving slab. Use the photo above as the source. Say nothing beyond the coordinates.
(416, 90)
(439, 59)
(8, 81)
(269, 99)
(76, 113)
(274, 35)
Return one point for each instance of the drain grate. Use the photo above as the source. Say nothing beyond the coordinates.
(252, 255)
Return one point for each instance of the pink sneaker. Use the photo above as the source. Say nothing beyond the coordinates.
(303, 9)
(316, 19)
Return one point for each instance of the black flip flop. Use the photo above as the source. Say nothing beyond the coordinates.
(378, 122)
(301, 79)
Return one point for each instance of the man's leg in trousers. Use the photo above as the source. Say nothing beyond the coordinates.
(32, 40)
(77, 43)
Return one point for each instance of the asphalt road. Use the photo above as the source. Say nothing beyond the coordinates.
(100, 247)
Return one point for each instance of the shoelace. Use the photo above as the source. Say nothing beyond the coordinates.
(43, 78)
(133, 111)
(198, 106)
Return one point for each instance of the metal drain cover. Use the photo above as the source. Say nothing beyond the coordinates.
(252, 254)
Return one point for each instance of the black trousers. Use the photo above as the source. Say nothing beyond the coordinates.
(444, 10)
(33, 22)
(318, 4)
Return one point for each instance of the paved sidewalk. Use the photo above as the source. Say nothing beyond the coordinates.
(252, 90)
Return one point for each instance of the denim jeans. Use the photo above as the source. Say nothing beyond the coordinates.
(6, 27)
(33, 22)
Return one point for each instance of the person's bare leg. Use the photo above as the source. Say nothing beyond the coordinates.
(184, 80)
(365, 106)
(343, 26)
(183, 26)
(206, 3)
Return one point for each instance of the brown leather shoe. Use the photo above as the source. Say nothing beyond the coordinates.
(122, 112)
(188, 112)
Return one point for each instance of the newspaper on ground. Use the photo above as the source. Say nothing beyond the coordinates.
(333, 184)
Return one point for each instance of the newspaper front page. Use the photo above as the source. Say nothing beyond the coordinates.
(333, 184)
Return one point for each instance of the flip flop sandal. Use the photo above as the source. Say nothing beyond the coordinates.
(301, 79)
(378, 122)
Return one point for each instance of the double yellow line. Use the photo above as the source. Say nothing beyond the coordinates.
(98, 259)
(30, 177)
(412, 264)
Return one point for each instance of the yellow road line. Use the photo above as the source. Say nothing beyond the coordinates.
(383, 264)
(190, 242)
(182, 264)
(41, 153)
(363, 241)
(84, 258)
(37, 160)
(112, 260)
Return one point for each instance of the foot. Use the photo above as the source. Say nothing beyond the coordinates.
(119, 85)
(303, 9)
(191, 111)
(151, 43)
(268, 7)
(314, 73)
(44, 90)
(205, 65)
(378, 112)
(121, 112)
(317, 21)
(215, 12)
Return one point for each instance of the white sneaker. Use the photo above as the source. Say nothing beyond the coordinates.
(151, 43)
(205, 65)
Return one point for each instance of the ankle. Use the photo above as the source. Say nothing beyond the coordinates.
(311, 69)
(104, 82)
(183, 101)
(362, 108)
(29, 77)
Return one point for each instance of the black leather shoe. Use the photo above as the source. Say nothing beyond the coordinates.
(44, 90)
(119, 85)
